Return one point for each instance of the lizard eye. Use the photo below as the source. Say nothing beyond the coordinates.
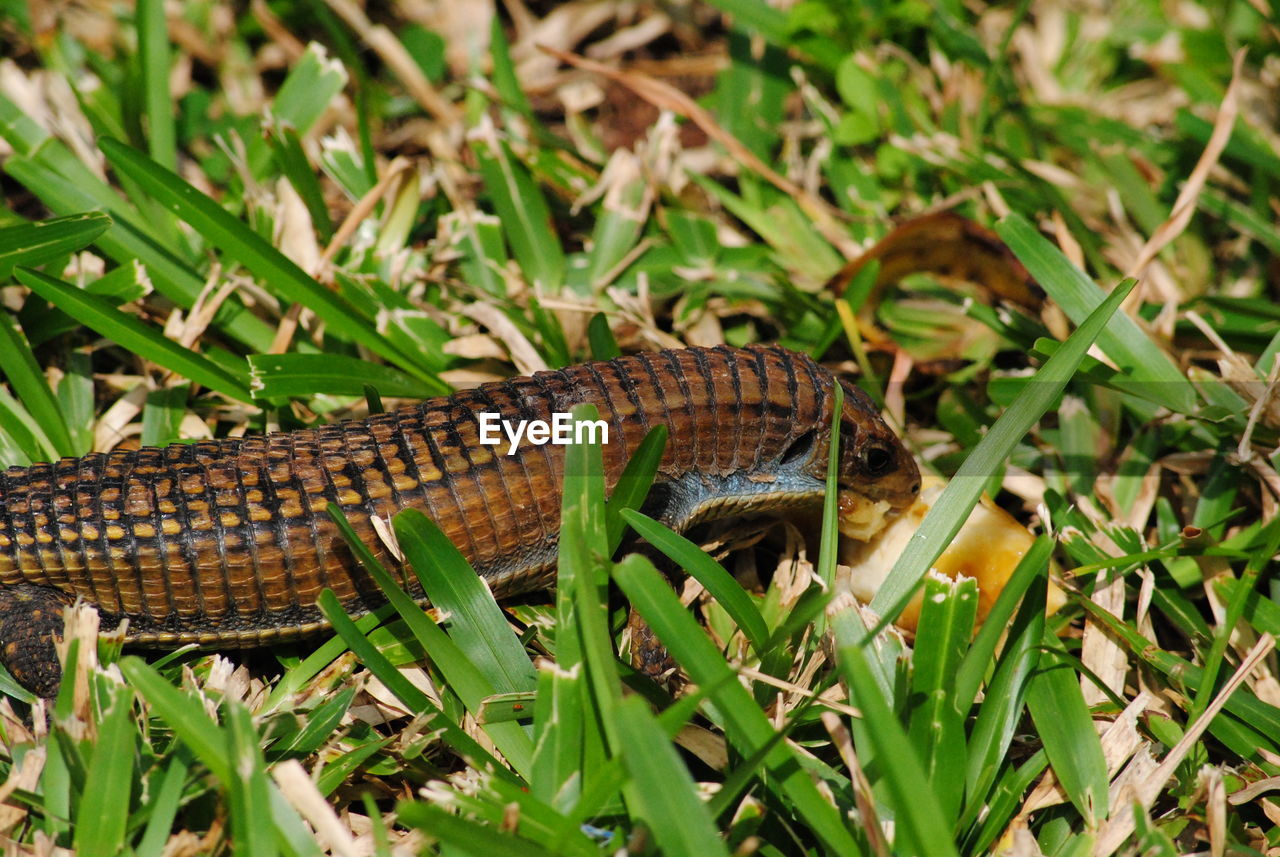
(877, 460)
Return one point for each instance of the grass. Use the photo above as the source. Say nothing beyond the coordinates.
(219, 221)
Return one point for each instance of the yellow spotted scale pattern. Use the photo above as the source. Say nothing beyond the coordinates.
(226, 543)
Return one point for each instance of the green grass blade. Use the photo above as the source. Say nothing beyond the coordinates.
(153, 58)
(600, 336)
(526, 219)
(621, 220)
(164, 799)
(32, 244)
(974, 665)
(1057, 706)
(313, 82)
(582, 580)
(633, 485)
(539, 822)
(103, 811)
(962, 493)
(505, 80)
(56, 783)
(76, 400)
(296, 678)
(745, 724)
(918, 817)
(337, 770)
(381, 841)
(22, 440)
(405, 691)
(1006, 799)
(322, 722)
(476, 622)
(292, 835)
(661, 793)
(556, 774)
(232, 237)
(775, 27)
(67, 187)
(185, 715)
(936, 724)
(272, 375)
(132, 334)
(253, 827)
(829, 537)
(1079, 296)
(466, 656)
(464, 836)
(468, 662)
(1213, 659)
(294, 164)
(1261, 716)
(720, 583)
(163, 413)
(20, 368)
(1002, 705)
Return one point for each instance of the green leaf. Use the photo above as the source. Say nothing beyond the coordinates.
(1006, 799)
(103, 811)
(936, 725)
(1057, 706)
(64, 184)
(337, 770)
(582, 602)
(476, 622)
(918, 817)
(154, 59)
(163, 800)
(829, 537)
(976, 661)
(558, 718)
(661, 793)
(405, 691)
(185, 715)
(162, 416)
(132, 334)
(253, 825)
(1122, 340)
(33, 244)
(272, 375)
(1001, 708)
(23, 373)
(621, 218)
(293, 162)
(464, 836)
(233, 238)
(21, 438)
(525, 217)
(307, 92)
(958, 499)
(779, 221)
(746, 726)
(297, 677)
(633, 485)
(603, 344)
(505, 80)
(692, 559)
(321, 723)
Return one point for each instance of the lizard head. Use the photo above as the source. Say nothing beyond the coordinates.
(878, 476)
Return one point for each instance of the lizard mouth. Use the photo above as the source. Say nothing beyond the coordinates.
(988, 548)
(861, 517)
